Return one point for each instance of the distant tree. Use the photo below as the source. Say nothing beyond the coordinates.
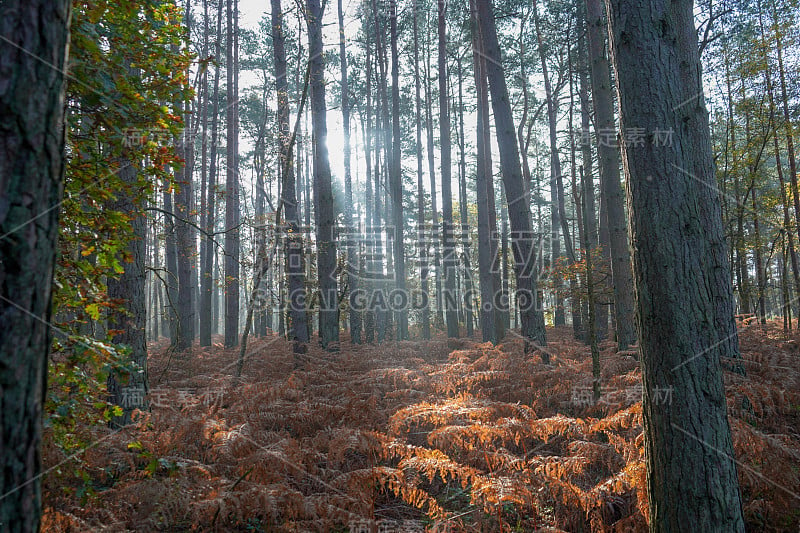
(352, 255)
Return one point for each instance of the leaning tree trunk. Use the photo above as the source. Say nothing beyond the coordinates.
(31, 178)
(324, 214)
(684, 298)
(522, 241)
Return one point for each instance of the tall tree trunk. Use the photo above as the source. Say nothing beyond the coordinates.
(437, 260)
(486, 261)
(128, 389)
(352, 230)
(448, 249)
(382, 142)
(422, 242)
(208, 251)
(324, 214)
(599, 311)
(684, 298)
(576, 299)
(171, 259)
(369, 230)
(588, 203)
(555, 177)
(396, 181)
(463, 207)
(185, 240)
(203, 211)
(531, 319)
(32, 170)
(610, 187)
(231, 190)
(295, 269)
(155, 298)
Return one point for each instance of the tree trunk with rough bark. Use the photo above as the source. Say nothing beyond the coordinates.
(684, 298)
(31, 184)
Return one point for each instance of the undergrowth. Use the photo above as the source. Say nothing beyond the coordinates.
(446, 435)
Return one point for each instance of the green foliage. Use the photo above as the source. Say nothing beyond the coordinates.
(127, 75)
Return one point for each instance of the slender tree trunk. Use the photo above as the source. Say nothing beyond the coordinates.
(684, 296)
(382, 142)
(787, 120)
(203, 211)
(369, 230)
(463, 208)
(486, 264)
(32, 170)
(448, 248)
(155, 285)
(531, 319)
(295, 269)
(209, 251)
(396, 180)
(231, 192)
(588, 196)
(324, 214)
(352, 230)
(611, 189)
(437, 260)
(422, 243)
(761, 278)
(171, 275)
(599, 311)
(555, 177)
(185, 239)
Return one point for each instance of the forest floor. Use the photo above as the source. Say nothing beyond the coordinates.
(445, 435)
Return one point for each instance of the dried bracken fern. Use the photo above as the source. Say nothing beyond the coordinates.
(444, 436)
